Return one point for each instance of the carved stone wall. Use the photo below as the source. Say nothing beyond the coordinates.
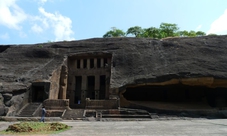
(53, 104)
(89, 77)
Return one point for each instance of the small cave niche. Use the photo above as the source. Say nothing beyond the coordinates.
(177, 96)
(40, 91)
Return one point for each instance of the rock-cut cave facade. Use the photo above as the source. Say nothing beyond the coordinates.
(173, 74)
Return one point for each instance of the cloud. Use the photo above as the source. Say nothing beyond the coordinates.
(198, 27)
(37, 29)
(43, 1)
(219, 25)
(11, 15)
(4, 36)
(61, 25)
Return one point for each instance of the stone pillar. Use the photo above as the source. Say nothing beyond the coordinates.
(95, 63)
(63, 82)
(83, 96)
(102, 62)
(71, 84)
(81, 63)
(84, 83)
(72, 90)
(107, 85)
(71, 100)
(74, 64)
(88, 63)
(84, 88)
(97, 82)
(109, 62)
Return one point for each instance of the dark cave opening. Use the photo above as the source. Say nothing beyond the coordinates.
(40, 91)
(178, 94)
(91, 87)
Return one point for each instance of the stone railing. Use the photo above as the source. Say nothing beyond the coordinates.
(56, 104)
(102, 104)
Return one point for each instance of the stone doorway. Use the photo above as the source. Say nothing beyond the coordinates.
(102, 92)
(91, 87)
(77, 93)
(40, 91)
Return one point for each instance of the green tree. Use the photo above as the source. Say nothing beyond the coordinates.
(183, 33)
(114, 33)
(152, 32)
(200, 33)
(137, 31)
(165, 30)
(168, 30)
(192, 34)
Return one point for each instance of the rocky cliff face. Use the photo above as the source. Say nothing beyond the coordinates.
(134, 61)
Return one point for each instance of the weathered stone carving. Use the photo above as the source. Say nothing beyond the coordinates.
(63, 82)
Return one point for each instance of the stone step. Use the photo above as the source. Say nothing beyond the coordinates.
(121, 113)
(124, 116)
(29, 110)
(125, 119)
(73, 114)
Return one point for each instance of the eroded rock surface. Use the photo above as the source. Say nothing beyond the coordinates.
(134, 61)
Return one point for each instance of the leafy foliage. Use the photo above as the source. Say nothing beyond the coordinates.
(168, 30)
(137, 31)
(114, 33)
(200, 33)
(152, 32)
(164, 30)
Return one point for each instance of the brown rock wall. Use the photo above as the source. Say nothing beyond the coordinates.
(135, 61)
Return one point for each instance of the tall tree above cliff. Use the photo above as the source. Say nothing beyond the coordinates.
(183, 33)
(168, 30)
(200, 33)
(114, 32)
(152, 32)
(192, 34)
(137, 31)
(165, 30)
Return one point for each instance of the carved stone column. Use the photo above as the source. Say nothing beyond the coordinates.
(63, 82)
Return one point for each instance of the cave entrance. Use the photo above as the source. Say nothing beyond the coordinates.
(77, 94)
(102, 87)
(91, 87)
(88, 78)
(40, 91)
(177, 96)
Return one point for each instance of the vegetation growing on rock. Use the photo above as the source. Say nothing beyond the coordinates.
(164, 30)
(35, 127)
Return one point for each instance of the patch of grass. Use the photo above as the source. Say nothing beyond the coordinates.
(35, 128)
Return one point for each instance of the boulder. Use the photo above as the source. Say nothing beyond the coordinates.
(1, 99)
(2, 110)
